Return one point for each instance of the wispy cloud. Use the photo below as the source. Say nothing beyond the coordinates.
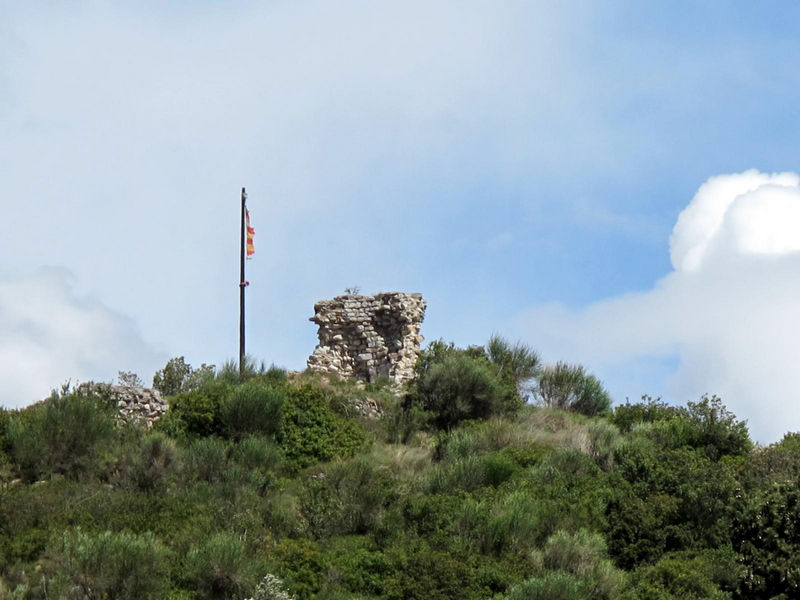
(52, 336)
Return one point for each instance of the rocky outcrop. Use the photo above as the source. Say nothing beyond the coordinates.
(134, 403)
(369, 337)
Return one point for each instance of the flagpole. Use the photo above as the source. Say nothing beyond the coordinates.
(242, 285)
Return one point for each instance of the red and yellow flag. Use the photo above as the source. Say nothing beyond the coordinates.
(250, 233)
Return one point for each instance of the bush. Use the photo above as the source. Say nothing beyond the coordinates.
(766, 533)
(231, 374)
(114, 565)
(649, 410)
(716, 430)
(218, 567)
(470, 473)
(252, 408)
(552, 586)
(302, 567)
(61, 436)
(196, 413)
(569, 387)
(155, 457)
(178, 377)
(311, 431)
(709, 575)
(706, 425)
(205, 459)
(604, 438)
(516, 364)
(583, 555)
(402, 419)
(424, 573)
(348, 497)
(257, 453)
(461, 388)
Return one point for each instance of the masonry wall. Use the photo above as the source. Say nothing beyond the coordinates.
(368, 337)
(134, 403)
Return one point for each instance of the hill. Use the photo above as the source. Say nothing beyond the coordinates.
(489, 476)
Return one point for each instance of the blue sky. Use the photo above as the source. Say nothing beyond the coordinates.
(522, 164)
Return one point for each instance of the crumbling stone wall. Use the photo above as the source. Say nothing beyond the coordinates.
(134, 403)
(368, 337)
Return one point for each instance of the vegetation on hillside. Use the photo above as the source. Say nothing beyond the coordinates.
(493, 476)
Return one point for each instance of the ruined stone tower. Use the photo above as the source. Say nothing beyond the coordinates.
(367, 337)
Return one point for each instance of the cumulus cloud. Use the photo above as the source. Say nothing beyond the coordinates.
(50, 335)
(727, 315)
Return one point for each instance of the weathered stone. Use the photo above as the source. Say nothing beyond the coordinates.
(134, 403)
(367, 337)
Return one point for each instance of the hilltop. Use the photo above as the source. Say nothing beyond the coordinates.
(489, 475)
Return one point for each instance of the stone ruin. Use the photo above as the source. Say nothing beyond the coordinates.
(134, 403)
(368, 337)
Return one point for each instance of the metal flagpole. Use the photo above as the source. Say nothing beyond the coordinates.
(242, 285)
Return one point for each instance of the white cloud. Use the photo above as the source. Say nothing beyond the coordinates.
(728, 312)
(51, 336)
(750, 213)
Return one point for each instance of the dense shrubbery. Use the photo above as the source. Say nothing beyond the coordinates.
(63, 436)
(265, 486)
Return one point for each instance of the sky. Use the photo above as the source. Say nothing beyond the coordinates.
(612, 183)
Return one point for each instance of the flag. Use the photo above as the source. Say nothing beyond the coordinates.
(250, 233)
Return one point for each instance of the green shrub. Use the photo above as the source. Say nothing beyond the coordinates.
(604, 438)
(154, 458)
(114, 565)
(516, 522)
(516, 364)
(430, 515)
(178, 377)
(5, 461)
(707, 425)
(347, 497)
(766, 533)
(469, 473)
(252, 408)
(5, 416)
(462, 388)
(231, 374)
(569, 387)
(204, 459)
(674, 499)
(257, 453)
(311, 431)
(196, 413)
(302, 567)
(552, 586)
(424, 573)
(402, 419)
(61, 436)
(717, 431)
(705, 575)
(775, 463)
(218, 568)
(649, 410)
(583, 555)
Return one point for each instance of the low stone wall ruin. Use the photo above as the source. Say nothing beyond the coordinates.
(134, 403)
(369, 337)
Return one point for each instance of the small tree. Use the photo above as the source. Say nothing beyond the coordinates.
(129, 379)
(178, 376)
